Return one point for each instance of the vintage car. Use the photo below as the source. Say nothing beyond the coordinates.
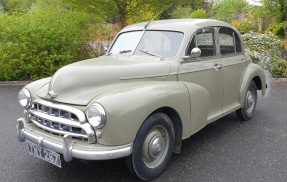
(159, 83)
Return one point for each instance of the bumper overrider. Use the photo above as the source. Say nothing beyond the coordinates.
(68, 148)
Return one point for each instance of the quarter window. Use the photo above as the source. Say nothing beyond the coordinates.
(204, 40)
(228, 41)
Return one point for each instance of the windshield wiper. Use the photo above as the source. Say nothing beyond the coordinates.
(125, 51)
(152, 54)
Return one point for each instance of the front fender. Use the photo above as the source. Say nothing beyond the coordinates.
(129, 105)
(252, 71)
(33, 87)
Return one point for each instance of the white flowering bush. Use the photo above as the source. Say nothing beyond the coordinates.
(265, 50)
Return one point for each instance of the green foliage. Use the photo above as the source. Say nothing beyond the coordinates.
(120, 9)
(199, 14)
(265, 49)
(277, 8)
(18, 5)
(1, 9)
(279, 30)
(228, 10)
(181, 12)
(37, 43)
(244, 26)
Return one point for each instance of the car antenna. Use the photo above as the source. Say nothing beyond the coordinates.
(153, 19)
(147, 24)
(157, 15)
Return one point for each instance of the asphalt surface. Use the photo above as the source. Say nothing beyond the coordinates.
(227, 150)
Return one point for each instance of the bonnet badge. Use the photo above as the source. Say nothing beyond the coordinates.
(51, 94)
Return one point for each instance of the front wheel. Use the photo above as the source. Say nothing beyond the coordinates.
(247, 111)
(152, 147)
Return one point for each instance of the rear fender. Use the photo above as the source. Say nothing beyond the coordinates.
(253, 71)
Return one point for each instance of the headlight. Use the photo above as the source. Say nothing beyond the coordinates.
(97, 116)
(24, 97)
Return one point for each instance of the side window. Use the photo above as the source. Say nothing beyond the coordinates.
(204, 40)
(228, 41)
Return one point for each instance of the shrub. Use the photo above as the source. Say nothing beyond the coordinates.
(199, 14)
(279, 30)
(37, 43)
(265, 49)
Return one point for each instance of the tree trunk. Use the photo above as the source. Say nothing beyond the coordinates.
(123, 21)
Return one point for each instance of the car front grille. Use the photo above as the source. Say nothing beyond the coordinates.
(60, 120)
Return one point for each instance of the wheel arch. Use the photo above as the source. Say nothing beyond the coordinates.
(177, 124)
(253, 73)
(258, 82)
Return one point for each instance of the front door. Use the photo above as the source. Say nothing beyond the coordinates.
(205, 71)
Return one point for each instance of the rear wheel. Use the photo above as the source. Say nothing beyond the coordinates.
(152, 147)
(247, 111)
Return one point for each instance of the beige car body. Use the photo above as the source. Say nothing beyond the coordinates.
(132, 87)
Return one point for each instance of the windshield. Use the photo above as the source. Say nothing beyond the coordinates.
(153, 43)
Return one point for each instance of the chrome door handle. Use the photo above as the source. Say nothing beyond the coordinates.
(243, 61)
(217, 66)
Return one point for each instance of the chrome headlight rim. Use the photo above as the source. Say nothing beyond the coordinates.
(24, 98)
(94, 119)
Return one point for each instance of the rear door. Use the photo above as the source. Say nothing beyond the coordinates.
(234, 67)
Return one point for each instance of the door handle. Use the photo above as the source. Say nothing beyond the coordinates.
(217, 66)
(243, 61)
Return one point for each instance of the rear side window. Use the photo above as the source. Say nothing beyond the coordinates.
(204, 40)
(228, 41)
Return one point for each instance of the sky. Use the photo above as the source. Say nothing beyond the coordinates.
(254, 2)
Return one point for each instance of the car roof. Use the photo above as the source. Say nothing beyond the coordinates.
(182, 25)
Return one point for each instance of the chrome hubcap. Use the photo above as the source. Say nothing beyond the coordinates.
(156, 146)
(249, 100)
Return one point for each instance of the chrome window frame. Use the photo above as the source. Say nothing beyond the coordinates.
(207, 57)
(234, 44)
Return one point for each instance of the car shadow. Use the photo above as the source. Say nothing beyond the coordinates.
(115, 170)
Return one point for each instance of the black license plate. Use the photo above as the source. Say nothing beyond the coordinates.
(45, 154)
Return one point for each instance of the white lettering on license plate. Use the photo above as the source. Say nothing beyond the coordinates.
(44, 154)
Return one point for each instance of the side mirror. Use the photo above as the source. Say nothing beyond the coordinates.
(106, 49)
(195, 53)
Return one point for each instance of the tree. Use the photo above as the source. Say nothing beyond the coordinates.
(228, 10)
(126, 10)
(13, 6)
(181, 12)
(277, 8)
(199, 14)
(119, 9)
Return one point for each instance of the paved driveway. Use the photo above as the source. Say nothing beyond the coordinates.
(227, 150)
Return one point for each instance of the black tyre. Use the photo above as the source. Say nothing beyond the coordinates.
(247, 111)
(152, 147)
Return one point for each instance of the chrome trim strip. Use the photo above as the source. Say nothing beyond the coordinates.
(141, 77)
(203, 69)
(233, 64)
(70, 150)
(81, 116)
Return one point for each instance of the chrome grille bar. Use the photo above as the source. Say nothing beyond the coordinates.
(61, 120)
(51, 118)
(58, 131)
(58, 109)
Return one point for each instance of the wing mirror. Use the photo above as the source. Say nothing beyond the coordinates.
(195, 53)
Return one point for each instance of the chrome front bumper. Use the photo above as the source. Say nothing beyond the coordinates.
(68, 150)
